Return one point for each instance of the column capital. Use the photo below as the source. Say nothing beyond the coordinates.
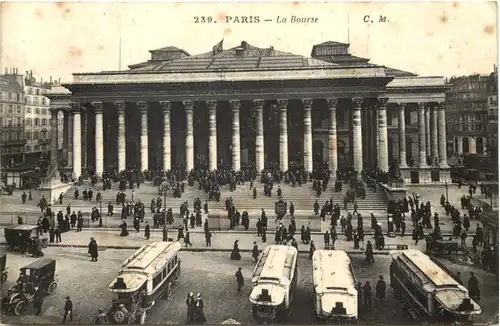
(142, 105)
(235, 104)
(332, 102)
(55, 111)
(165, 105)
(75, 107)
(188, 105)
(98, 107)
(440, 105)
(382, 102)
(120, 106)
(422, 105)
(357, 101)
(282, 103)
(402, 105)
(212, 104)
(307, 102)
(258, 104)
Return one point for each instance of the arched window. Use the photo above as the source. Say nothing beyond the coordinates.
(28, 122)
(14, 136)
(37, 121)
(44, 122)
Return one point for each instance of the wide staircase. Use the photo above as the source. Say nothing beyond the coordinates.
(303, 198)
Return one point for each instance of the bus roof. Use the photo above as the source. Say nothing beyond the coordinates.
(151, 258)
(331, 269)
(276, 262)
(426, 270)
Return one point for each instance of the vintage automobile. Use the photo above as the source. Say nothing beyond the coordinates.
(39, 274)
(23, 237)
(439, 247)
(427, 291)
(3, 267)
(274, 281)
(145, 277)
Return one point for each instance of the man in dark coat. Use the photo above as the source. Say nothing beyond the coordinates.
(255, 251)
(147, 232)
(367, 295)
(38, 301)
(68, 310)
(93, 249)
(380, 289)
(239, 279)
(473, 286)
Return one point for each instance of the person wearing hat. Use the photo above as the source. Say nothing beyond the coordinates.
(147, 232)
(37, 301)
(255, 251)
(198, 310)
(380, 288)
(68, 310)
(239, 279)
(190, 308)
(93, 249)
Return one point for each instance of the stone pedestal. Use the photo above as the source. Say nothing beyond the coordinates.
(444, 175)
(51, 188)
(424, 175)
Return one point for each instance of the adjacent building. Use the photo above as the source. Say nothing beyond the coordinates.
(493, 115)
(468, 114)
(12, 110)
(25, 119)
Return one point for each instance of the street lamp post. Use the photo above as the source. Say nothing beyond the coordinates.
(165, 197)
(100, 213)
(446, 188)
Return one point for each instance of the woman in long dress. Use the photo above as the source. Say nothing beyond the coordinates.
(199, 315)
(190, 307)
(235, 254)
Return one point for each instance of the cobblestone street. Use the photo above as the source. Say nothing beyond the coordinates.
(212, 275)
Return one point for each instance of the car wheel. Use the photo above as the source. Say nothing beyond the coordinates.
(19, 308)
(52, 288)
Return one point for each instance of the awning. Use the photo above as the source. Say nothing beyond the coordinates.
(451, 300)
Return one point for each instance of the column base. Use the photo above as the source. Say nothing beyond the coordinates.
(444, 176)
(424, 176)
(423, 166)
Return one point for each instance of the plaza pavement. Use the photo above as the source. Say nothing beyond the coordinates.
(212, 275)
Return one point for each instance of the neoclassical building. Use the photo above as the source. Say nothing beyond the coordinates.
(251, 104)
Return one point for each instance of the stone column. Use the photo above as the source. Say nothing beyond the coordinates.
(259, 137)
(472, 145)
(77, 140)
(99, 138)
(167, 146)
(402, 136)
(70, 138)
(65, 136)
(376, 135)
(421, 136)
(236, 151)
(369, 133)
(428, 131)
(212, 135)
(434, 136)
(282, 104)
(382, 135)
(53, 138)
(308, 147)
(356, 135)
(460, 145)
(189, 106)
(443, 157)
(332, 136)
(85, 148)
(122, 144)
(143, 108)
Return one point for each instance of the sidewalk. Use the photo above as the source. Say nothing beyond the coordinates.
(221, 241)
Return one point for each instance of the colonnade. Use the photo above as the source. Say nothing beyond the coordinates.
(431, 132)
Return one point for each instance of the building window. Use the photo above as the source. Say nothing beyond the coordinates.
(44, 101)
(18, 97)
(1, 108)
(37, 111)
(28, 122)
(1, 122)
(10, 96)
(28, 149)
(37, 122)
(44, 122)
(10, 108)
(37, 91)
(28, 110)
(19, 109)
(9, 122)
(14, 136)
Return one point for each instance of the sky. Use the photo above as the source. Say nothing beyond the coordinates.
(430, 39)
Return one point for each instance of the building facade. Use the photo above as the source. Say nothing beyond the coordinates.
(250, 105)
(493, 115)
(26, 119)
(12, 110)
(468, 119)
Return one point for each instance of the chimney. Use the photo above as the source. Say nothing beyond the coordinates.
(41, 80)
(51, 79)
(59, 81)
(6, 71)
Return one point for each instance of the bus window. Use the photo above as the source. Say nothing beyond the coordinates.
(156, 281)
(165, 272)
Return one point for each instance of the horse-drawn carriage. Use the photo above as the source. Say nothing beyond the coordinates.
(38, 276)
